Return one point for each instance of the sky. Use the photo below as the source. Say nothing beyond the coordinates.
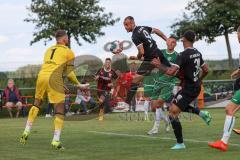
(15, 34)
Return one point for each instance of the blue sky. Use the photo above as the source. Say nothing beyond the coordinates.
(15, 34)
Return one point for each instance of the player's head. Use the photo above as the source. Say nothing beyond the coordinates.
(238, 33)
(10, 83)
(189, 36)
(129, 23)
(171, 43)
(61, 37)
(108, 63)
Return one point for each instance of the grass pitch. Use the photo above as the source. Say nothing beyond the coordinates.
(115, 139)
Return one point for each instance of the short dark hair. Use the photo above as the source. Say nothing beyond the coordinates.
(108, 59)
(129, 17)
(190, 36)
(173, 36)
(60, 33)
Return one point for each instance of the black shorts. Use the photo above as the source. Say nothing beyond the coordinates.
(185, 96)
(146, 67)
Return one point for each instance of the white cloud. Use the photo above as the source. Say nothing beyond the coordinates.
(15, 57)
(3, 39)
(143, 10)
(153, 13)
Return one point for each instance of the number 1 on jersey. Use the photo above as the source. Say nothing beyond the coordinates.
(53, 51)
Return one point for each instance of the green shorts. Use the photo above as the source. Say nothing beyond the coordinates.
(236, 98)
(156, 89)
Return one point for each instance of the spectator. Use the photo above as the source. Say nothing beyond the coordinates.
(84, 97)
(12, 98)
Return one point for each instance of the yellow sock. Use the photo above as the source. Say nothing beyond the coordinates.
(33, 113)
(31, 117)
(58, 122)
(101, 113)
(58, 125)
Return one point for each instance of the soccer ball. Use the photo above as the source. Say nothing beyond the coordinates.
(114, 46)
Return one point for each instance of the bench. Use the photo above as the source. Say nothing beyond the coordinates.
(25, 103)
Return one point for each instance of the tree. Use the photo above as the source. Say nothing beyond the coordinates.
(210, 19)
(80, 18)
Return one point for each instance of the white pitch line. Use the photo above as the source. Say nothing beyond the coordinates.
(145, 136)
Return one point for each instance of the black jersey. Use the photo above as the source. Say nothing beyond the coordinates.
(189, 62)
(142, 35)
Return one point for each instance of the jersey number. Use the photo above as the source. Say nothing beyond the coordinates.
(197, 66)
(148, 36)
(52, 54)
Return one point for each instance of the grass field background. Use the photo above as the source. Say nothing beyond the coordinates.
(115, 139)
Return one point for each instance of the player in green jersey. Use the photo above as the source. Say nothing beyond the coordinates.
(159, 87)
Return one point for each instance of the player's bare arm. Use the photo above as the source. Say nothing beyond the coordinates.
(204, 71)
(159, 33)
(140, 52)
(235, 74)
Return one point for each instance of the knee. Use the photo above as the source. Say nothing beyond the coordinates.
(19, 105)
(229, 111)
(9, 105)
(37, 103)
(173, 112)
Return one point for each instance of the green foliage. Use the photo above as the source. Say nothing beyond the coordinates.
(80, 18)
(209, 18)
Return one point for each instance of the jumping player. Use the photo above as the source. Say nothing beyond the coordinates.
(58, 61)
(188, 66)
(147, 51)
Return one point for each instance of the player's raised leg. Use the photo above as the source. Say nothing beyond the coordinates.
(33, 112)
(41, 88)
(205, 115)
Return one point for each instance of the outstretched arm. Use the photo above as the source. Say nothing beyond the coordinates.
(159, 33)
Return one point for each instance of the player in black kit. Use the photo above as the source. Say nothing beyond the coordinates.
(188, 65)
(147, 51)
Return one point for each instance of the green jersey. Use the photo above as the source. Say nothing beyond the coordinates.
(171, 57)
(158, 85)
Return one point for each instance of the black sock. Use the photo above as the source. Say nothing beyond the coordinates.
(191, 109)
(177, 128)
(131, 93)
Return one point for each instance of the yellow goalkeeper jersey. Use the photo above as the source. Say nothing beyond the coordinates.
(59, 60)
